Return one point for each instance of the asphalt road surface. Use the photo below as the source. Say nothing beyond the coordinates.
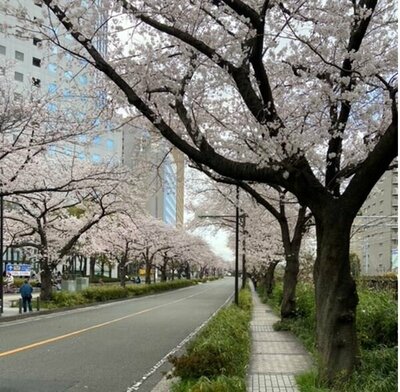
(114, 347)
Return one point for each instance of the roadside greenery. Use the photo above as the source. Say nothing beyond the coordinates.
(377, 333)
(216, 360)
(61, 299)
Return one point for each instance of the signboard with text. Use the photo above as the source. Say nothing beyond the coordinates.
(16, 269)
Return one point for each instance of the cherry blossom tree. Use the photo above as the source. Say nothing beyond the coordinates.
(30, 131)
(291, 218)
(300, 95)
(52, 222)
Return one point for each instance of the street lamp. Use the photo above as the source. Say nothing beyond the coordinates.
(237, 217)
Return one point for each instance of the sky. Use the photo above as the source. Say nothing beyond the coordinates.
(218, 242)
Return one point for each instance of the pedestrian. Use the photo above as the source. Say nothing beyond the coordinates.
(58, 280)
(26, 294)
(10, 283)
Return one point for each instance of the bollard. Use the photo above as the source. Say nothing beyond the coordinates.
(38, 303)
(20, 305)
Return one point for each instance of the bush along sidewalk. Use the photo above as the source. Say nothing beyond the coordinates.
(217, 359)
(377, 334)
(61, 299)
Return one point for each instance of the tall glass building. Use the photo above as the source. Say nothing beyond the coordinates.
(69, 84)
(165, 175)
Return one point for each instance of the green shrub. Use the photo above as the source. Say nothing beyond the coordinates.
(111, 292)
(218, 350)
(276, 297)
(218, 384)
(221, 349)
(104, 279)
(377, 373)
(66, 299)
(377, 333)
(305, 301)
(245, 300)
(104, 293)
(377, 319)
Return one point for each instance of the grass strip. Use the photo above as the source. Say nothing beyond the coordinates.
(217, 359)
(377, 334)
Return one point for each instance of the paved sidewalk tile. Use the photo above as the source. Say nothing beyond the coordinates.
(280, 363)
(276, 355)
(273, 383)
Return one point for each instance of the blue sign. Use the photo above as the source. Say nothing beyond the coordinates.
(19, 269)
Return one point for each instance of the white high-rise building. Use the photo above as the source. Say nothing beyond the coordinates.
(70, 84)
(375, 238)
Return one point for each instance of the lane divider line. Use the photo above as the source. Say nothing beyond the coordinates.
(80, 331)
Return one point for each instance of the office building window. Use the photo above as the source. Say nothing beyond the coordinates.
(36, 62)
(52, 68)
(52, 88)
(83, 80)
(82, 138)
(96, 122)
(67, 93)
(68, 75)
(36, 82)
(2, 49)
(96, 158)
(18, 76)
(51, 107)
(36, 41)
(19, 56)
(110, 144)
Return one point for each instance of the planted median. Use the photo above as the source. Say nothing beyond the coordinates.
(217, 359)
(61, 299)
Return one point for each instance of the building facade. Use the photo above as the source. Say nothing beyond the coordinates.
(375, 230)
(68, 84)
(165, 173)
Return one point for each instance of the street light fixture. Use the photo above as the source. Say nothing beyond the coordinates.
(237, 217)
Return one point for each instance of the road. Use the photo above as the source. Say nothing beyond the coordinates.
(113, 347)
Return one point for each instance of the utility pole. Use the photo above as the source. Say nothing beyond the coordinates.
(244, 272)
(237, 248)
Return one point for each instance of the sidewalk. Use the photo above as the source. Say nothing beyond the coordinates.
(276, 356)
(8, 311)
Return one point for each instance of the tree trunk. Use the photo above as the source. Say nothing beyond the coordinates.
(187, 271)
(46, 288)
(269, 280)
(335, 297)
(148, 272)
(92, 264)
(288, 306)
(163, 269)
(122, 273)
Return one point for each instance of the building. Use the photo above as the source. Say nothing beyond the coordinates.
(165, 168)
(29, 65)
(69, 84)
(375, 230)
